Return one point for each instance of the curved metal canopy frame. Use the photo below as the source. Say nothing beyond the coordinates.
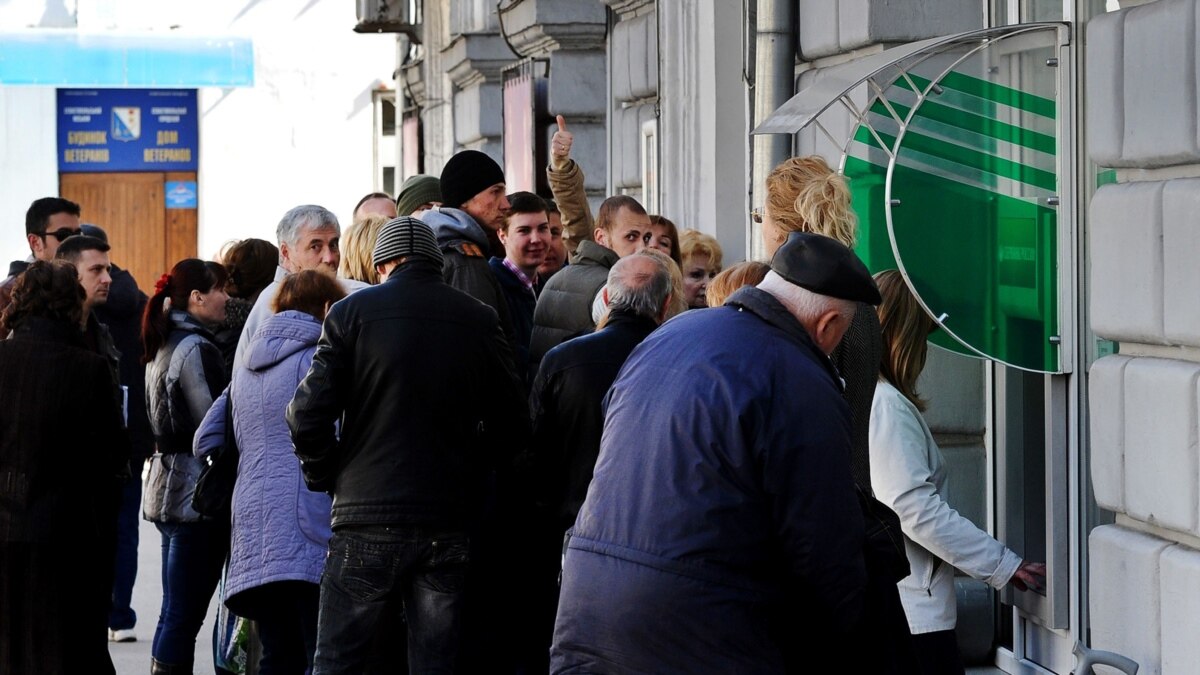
(879, 72)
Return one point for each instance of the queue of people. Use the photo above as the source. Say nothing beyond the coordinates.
(486, 432)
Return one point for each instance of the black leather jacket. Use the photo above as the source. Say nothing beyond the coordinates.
(421, 377)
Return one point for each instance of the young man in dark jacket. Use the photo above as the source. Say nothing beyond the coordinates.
(420, 376)
(48, 222)
(526, 238)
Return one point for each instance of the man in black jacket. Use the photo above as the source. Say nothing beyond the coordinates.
(567, 399)
(421, 377)
(122, 314)
(526, 238)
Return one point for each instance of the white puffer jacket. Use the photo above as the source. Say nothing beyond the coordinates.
(908, 474)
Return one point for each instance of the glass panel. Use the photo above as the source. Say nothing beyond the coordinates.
(969, 221)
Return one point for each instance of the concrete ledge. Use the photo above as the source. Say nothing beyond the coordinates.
(1181, 273)
(1105, 88)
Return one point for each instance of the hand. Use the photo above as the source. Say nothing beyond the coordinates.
(560, 145)
(1029, 576)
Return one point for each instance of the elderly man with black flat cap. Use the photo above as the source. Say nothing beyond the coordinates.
(722, 516)
(420, 377)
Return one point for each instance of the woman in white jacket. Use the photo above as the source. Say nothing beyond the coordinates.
(908, 474)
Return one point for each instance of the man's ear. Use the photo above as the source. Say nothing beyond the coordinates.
(503, 234)
(604, 294)
(601, 236)
(381, 270)
(827, 332)
(35, 243)
(662, 315)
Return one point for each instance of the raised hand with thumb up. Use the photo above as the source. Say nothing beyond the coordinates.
(560, 146)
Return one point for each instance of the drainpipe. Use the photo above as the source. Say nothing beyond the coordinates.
(774, 78)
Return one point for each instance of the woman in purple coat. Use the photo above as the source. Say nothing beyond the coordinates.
(280, 529)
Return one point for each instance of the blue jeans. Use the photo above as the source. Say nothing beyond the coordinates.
(192, 557)
(121, 614)
(369, 571)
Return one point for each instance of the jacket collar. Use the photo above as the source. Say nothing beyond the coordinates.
(764, 305)
(46, 328)
(591, 252)
(627, 320)
(184, 321)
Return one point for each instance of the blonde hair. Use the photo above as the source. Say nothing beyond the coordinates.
(906, 327)
(695, 242)
(747, 273)
(358, 243)
(805, 195)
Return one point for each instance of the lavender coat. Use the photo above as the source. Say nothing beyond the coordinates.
(280, 529)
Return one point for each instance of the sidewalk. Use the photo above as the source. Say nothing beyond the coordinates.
(133, 658)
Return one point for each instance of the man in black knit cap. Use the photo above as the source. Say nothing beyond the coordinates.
(473, 209)
(421, 379)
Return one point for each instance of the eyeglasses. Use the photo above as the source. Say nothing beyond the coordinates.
(61, 234)
(756, 215)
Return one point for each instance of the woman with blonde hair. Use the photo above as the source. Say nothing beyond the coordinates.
(701, 262)
(805, 195)
(908, 473)
(745, 273)
(357, 244)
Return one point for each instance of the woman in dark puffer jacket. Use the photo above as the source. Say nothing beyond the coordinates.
(184, 373)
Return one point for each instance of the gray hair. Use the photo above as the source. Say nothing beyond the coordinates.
(805, 305)
(308, 216)
(637, 291)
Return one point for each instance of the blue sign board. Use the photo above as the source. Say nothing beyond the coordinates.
(127, 130)
(181, 194)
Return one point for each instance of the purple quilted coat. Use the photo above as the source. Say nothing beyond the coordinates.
(280, 529)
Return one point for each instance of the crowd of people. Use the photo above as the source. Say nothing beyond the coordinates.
(484, 432)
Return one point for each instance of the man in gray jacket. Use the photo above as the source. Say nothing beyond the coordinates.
(564, 308)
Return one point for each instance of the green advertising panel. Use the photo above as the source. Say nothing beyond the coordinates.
(954, 180)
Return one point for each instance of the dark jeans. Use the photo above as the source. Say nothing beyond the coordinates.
(286, 614)
(121, 615)
(192, 557)
(369, 572)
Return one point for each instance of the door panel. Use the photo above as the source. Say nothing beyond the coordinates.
(146, 237)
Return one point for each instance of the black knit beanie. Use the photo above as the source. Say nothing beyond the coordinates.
(467, 174)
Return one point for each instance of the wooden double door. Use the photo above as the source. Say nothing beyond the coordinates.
(147, 238)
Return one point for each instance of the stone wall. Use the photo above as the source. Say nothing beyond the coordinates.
(1143, 237)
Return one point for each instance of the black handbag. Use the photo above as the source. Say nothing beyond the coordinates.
(214, 487)
(883, 547)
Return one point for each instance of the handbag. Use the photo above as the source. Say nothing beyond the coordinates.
(214, 488)
(883, 547)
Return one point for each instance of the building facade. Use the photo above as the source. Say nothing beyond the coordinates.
(1032, 167)
(284, 105)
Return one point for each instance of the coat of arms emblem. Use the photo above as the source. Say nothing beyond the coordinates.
(126, 123)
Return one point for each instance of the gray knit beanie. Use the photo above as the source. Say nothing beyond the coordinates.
(406, 237)
(417, 191)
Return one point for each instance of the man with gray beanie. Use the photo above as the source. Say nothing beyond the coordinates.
(420, 376)
(473, 208)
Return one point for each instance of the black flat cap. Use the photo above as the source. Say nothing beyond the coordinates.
(826, 267)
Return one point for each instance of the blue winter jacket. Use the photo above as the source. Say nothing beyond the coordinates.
(281, 529)
(721, 515)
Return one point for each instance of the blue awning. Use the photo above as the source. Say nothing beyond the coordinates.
(68, 58)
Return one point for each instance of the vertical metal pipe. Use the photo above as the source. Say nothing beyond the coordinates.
(774, 77)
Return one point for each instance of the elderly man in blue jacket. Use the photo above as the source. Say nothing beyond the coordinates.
(722, 515)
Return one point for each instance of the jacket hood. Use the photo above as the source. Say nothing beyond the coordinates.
(281, 336)
(454, 225)
(124, 296)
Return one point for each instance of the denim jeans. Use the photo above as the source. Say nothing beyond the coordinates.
(121, 614)
(369, 571)
(192, 557)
